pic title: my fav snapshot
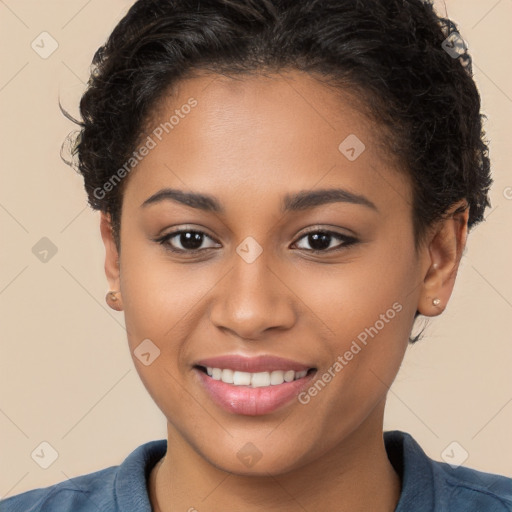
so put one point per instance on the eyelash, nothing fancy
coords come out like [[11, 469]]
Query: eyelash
[[348, 241]]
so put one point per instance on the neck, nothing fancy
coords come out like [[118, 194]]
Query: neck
[[355, 475]]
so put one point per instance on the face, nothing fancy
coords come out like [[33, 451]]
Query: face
[[266, 267]]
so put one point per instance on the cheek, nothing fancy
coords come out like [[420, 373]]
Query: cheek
[[163, 302], [369, 321], [352, 296], [159, 305], [159, 296], [367, 307]]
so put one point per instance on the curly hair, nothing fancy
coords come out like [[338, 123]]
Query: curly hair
[[393, 53]]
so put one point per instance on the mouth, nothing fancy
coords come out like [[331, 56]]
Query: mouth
[[252, 393], [254, 379]]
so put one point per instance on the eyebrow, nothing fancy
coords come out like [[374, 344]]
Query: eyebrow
[[299, 201]]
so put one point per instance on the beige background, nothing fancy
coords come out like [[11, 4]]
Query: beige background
[[66, 376]]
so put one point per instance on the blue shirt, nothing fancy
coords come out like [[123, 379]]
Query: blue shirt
[[427, 485]]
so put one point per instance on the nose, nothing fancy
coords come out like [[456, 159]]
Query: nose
[[252, 299]]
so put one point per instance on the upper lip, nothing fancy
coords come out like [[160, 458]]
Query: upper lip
[[263, 363]]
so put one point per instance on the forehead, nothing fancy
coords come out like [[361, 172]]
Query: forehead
[[279, 132], [303, 113]]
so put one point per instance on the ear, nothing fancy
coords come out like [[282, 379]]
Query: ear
[[112, 269], [446, 244]]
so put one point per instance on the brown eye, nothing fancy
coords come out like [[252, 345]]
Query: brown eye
[[185, 240], [321, 241]]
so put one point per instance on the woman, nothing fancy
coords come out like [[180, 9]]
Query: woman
[[284, 187]]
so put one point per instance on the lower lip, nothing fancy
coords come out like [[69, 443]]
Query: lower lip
[[251, 401]]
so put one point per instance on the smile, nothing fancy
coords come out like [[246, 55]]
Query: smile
[[255, 380], [252, 393]]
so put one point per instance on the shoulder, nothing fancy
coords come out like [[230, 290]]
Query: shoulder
[[428, 484], [79, 493], [116, 488], [477, 490]]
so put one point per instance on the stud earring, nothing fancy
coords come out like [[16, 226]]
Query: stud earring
[[112, 296], [113, 301], [436, 301]]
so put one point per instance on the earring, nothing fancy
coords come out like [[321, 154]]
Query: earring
[[112, 296], [436, 301], [113, 301]]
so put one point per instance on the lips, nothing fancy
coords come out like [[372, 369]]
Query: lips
[[263, 363], [247, 397]]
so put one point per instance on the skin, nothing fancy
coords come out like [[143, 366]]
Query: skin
[[248, 143]]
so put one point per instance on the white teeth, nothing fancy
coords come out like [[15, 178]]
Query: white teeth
[[289, 376], [260, 379], [256, 380], [241, 379], [227, 376], [277, 377]]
